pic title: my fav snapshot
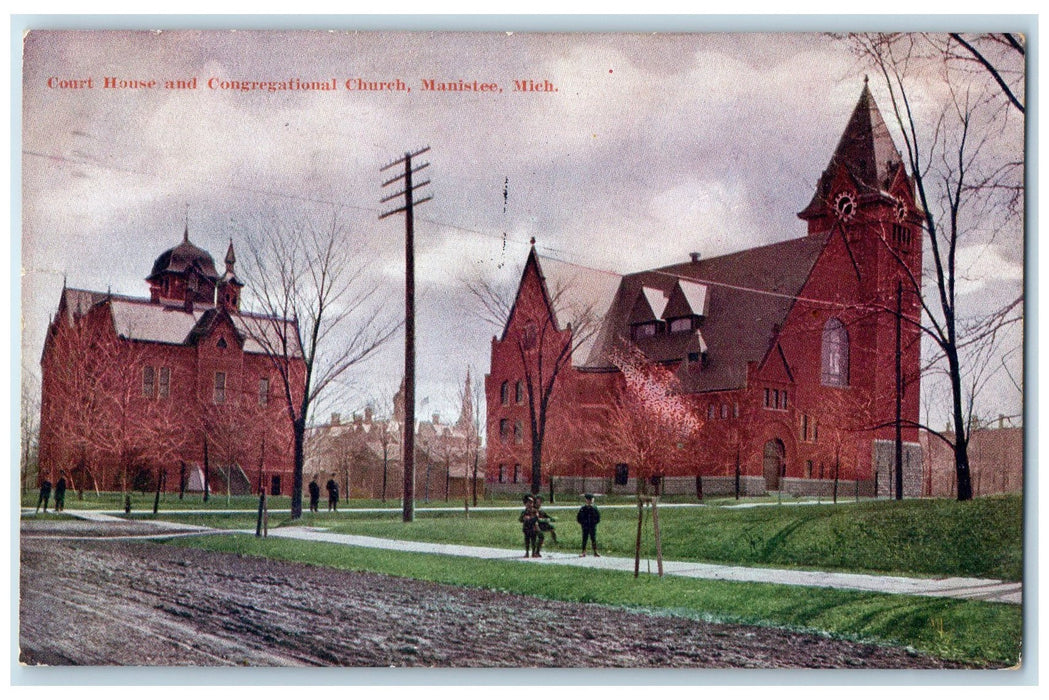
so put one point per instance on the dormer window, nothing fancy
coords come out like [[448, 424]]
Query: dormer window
[[645, 317], [682, 325], [645, 330]]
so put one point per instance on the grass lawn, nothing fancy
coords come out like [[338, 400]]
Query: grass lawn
[[110, 500], [981, 538], [977, 632]]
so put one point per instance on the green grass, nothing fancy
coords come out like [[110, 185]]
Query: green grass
[[981, 538], [969, 631], [109, 500]]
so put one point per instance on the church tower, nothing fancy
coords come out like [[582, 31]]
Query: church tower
[[866, 198], [866, 195]]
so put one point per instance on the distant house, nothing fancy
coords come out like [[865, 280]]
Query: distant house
[[996, 461], [176, 387], [784, 353], [364, 454]]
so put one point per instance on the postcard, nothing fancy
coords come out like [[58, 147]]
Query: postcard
[[371, 349]]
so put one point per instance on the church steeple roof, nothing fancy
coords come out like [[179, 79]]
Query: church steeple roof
[[231, 258], [865, 151]]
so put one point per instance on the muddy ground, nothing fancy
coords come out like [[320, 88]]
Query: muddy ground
[[92, 601]]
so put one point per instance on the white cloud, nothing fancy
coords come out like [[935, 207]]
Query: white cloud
[[982, 266]]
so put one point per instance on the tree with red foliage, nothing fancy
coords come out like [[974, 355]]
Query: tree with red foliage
[[649, 424]]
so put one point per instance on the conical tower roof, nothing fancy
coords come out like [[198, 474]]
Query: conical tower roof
[[866, 152]]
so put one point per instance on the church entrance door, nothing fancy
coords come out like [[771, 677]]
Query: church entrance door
[[775, 461]]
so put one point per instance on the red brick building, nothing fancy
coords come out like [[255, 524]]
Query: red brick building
[[785, 353], [996, 461], [176, 386]]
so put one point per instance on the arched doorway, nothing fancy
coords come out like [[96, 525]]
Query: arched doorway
[[775, 460]]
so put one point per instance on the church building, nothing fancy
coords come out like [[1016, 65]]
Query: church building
[[176, 390], [779, 362]]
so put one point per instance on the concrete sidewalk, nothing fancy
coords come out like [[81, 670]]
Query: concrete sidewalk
[[989, 590], [965, 588]]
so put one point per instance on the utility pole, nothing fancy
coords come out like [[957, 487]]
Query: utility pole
[[408, 450], [899, 392]]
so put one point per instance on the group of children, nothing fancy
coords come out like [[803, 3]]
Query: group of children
[[536, 523]]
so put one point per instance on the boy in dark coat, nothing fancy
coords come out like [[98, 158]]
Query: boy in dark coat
[[530, 527], [60, 494], [315, 494], [45, 495], [588, 517], [333, 494]]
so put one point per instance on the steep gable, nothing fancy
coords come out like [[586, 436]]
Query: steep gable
[[531, 290]]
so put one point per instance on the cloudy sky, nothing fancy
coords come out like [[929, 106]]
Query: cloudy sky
[[652, 146]]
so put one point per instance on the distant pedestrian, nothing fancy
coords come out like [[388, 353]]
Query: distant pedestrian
[[315, 494], [60, 494], [333, 495], [45, 495], [529, 519], [588, 517]]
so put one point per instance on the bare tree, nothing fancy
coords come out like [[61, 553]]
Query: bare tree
[[544, 345], [99, 408], [29, 429], [967, 163], [320, 315]]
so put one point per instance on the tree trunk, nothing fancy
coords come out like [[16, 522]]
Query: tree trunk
[[537, 465], [385, 469], [961, 432], [299, 426]]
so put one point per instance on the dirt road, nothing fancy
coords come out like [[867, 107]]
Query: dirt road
[[118, 602]]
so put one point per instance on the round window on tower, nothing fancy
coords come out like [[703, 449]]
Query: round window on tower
[[845, 205], [901, 210]]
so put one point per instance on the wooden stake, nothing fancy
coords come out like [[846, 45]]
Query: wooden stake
[[637, 546], [655, 530]]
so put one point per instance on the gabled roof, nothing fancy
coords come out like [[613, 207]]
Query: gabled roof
[[572, 293], [138, 319], [749, 294], [648, 306], [866, 152], [143, 320]]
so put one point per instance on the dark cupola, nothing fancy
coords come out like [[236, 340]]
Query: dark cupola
[[183, 275]]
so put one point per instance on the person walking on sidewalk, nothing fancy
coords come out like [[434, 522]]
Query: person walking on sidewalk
[[60, 494], [333, 494], [45, 495], [588, 517], [315, 494]]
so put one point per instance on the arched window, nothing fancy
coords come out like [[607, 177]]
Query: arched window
[[520, 393], [835, 364], [504, 393], [518, 432]]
